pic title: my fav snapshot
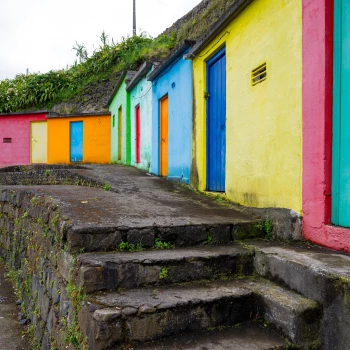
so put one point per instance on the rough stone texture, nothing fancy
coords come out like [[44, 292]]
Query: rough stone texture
[[247, 336], [317, 273], [109, 271], [287, 224], [150, 313], [220, 234], [43, 227], [298, 317], [144, 237], [176, 309]]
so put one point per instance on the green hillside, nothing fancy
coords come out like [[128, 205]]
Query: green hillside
[[86, 86]]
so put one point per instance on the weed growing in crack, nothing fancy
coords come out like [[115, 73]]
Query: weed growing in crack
[[158, 244], [163, 273], [106, 187], [128, 247], [267, 227]]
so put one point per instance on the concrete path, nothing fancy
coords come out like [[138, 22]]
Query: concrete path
[[135, 200], [10, 331]]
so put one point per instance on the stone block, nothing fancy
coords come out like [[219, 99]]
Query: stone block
[[65, 264], [220, 234], [191, 235], [144, 236]]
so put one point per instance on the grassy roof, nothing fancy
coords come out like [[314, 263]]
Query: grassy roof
[[84, 87]]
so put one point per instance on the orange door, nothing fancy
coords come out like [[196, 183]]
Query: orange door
[[164, 136], [120, 133]]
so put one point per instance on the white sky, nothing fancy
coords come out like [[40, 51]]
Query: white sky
[[40, 34]]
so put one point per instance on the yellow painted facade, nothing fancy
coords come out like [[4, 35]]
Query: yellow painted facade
[[263, 122], [38, 142], [96, 139]]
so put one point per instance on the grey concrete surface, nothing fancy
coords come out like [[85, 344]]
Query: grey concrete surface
[[244, 337], [135, 200], [11, 336]]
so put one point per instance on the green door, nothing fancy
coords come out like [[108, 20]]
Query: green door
[[341, 115]]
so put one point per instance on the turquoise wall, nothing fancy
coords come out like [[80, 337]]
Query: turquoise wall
[[121, 99], [141, 95], [176, 82]]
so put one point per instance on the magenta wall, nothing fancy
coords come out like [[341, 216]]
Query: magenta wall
[[317, 126], [16, 127]]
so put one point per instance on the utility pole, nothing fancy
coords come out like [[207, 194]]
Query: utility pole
[[134, 19]]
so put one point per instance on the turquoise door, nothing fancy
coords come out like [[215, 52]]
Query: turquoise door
[[341, 116], [76, 141]]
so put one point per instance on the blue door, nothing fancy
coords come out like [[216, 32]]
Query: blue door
[[76, 141], [216, 122], [341, 116]]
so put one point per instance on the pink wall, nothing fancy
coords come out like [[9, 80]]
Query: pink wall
[[317, 126], [17, 127]]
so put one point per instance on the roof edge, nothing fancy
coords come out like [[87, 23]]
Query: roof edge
[[119, 82], [171, 59], [238, 7], [146, 66], [78, 115], [27, 113]]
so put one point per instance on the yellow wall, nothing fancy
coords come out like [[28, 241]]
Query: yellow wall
[[263, 130], [38, 142], [97, 139]]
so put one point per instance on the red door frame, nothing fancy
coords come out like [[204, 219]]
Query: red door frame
[[317, 98], [138, 133]]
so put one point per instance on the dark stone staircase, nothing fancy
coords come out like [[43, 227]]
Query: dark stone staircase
[[207, 292], [211, 290]]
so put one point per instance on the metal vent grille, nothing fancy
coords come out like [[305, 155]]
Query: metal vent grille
[[259, 74], [7, 140]]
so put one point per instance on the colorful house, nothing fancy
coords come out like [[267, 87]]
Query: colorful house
[[23, 138], [247, 130], [79, 138], [119, 106], [326, 123], [140, 90], [172, 116]]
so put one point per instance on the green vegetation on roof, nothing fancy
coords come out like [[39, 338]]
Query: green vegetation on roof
[[43, 91]]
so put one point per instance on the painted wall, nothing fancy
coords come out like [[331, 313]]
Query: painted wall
[[177, 84], [317, 126], [263, 122], [141, 95], [96, 141], [16, 127], [121, 99]]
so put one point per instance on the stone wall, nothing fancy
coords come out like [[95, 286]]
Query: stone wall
[[32, 236]]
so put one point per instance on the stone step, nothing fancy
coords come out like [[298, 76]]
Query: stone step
[[317, 273], [310, 270], [84, 236], [109, 271], [244, 336], [146, 314], [297, 317]]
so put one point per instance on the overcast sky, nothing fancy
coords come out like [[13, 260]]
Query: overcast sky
[[40, 34]]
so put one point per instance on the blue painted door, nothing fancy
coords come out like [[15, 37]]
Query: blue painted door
[[341, 116], [216, 122], [76, 141]]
